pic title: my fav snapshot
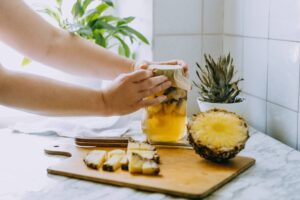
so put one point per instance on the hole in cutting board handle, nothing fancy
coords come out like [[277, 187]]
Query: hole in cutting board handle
[[57, 150]]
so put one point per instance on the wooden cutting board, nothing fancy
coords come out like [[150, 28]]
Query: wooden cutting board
[[183, 173]]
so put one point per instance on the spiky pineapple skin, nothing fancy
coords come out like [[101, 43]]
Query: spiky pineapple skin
[[214, 155]]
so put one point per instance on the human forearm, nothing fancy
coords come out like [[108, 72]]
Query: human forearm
[[48, 97], [78, 56]]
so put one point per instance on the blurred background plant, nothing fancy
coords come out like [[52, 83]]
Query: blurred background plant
[[90, 20]]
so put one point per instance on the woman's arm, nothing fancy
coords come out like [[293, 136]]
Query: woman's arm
[[24, 30], [48, 97]]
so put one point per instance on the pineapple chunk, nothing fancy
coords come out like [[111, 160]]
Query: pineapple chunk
[[124, 163], [135, 164], [150, 155], [140, 146], [150, 168], [152, 110], [113, 163], [181, 107], [115, 152], [170, 107], [95, 159]]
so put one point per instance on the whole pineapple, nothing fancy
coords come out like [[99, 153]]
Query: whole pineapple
[[216, 81], [217, 135]]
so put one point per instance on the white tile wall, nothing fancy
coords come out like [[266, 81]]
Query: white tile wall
[[213, 45], [255, 112], [282, 124], [177, 16], [285, 19], [213, 14], [255, 62], [283, 73], [256, 18], [233, 16]]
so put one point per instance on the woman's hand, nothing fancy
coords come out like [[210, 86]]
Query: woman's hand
[[145, 64], [128, 92]]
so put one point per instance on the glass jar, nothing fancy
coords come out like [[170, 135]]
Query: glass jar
[[166, 122]]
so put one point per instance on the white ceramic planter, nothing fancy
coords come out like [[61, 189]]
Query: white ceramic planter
[[238, 108]]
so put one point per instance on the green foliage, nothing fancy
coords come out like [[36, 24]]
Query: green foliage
[[216, 81], [25, 61], [92, 23]]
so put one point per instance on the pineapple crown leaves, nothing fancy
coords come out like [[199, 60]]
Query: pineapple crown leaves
[[216, 80]]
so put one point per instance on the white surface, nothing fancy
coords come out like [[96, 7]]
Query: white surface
[[275, 175], [282, 124], [283, 73], [76, 126], [238, 108], [285, 19], [177, 16], [233, 16], [256, 112], [213, 15], [187, 48], [256, 18], [255, 65]]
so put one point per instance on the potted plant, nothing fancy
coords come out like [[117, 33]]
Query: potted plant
[[89, 19], [218, 87]]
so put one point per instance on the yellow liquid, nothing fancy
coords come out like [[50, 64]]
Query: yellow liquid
[[163, 127]]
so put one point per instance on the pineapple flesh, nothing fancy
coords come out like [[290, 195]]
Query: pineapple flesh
[[218, 135]]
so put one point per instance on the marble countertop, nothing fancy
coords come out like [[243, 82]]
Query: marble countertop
[[276, 174]]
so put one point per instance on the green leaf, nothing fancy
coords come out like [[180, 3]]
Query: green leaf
[[108, 2], [99, 39], [86, 31], [77, 10], [136, 33], [101, 8], [52, 13], [125, 20], [121, 50], [59, 2], [25, 61], [86, 3], [124, 46], [99, 24], [109, 18]]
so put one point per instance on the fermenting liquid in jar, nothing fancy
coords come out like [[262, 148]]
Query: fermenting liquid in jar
[[166, 122]]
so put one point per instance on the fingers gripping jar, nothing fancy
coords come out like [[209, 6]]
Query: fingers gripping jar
[[166, 122]]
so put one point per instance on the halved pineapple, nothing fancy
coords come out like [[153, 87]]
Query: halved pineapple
[[218, 135]]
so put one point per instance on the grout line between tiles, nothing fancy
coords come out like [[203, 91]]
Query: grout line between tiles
[[260, 38], [268, 65]]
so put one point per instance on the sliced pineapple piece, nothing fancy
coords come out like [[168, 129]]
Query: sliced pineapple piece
[[113, 163], [218, 135], [181, 107], [95, 159], [115, 152], [150, 168], [150, 155], [135, 164], [134, 145], [152, 110], [170, 107], [124, 163]]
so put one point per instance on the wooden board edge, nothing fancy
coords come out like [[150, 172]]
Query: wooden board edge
[[153, 189], [227, 180]]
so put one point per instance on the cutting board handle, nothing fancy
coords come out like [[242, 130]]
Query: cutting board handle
[[61, 150]]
